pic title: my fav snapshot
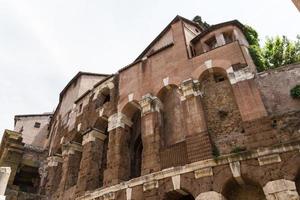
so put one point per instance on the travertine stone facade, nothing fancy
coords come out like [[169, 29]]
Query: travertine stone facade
[[189, 119]]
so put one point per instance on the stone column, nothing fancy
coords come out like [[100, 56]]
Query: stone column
[[220, 39], [4, 177], [90, 176], [118, 157], [246, 93], [197, 138], [54, 170], [281, 190], [151, 133], [71, 162]]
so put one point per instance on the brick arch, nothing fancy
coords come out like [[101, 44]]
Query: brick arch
[[164, 89], [214, 65], [249, 190], [166, 191], [172, 115], [220, 107], [131, 108]]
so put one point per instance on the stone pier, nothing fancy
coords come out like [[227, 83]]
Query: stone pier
[[4, 177]]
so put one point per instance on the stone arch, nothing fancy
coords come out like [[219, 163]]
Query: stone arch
[[221, 110], [173, 118], [103, 97], [132, 111], [210, 195], [249, 190], [211, 65], [178, 195]]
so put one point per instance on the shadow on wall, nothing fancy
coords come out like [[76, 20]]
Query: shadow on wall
[[178, 195], [246, 191]]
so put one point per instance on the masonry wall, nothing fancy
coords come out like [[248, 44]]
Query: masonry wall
[[35, 136], [275, 86], [168, 114]]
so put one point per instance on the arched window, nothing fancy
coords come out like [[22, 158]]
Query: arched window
[[102, 125], [103, 98], [134, 148]]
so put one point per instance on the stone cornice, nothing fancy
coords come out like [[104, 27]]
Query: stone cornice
[[177, 171]]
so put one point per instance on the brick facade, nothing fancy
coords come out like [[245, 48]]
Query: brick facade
[[189, 119]]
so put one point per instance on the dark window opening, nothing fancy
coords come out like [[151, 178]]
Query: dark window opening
[[136, 146], [193, 51], [80, 107], [228, 37], [175, 195], [218, 78], [212, 43], [101, 100], [37, 125], [27, 179]]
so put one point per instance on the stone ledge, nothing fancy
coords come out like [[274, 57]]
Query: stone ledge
[[175, 171]]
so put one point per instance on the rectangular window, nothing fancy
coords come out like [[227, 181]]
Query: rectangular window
[[37, 125], [80, 108]]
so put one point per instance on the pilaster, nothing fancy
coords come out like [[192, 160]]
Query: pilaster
[[90, 176], [118, 162], [54, 170], [71, 153], [151, 132], [197, 138], [246, 93]]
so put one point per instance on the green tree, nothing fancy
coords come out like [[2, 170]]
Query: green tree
[[276, 51], [280, 51], [254, 48]]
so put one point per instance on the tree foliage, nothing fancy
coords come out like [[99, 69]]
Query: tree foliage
[[199, 21], [276, 51]]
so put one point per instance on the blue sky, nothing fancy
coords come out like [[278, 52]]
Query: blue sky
[[43, 44]]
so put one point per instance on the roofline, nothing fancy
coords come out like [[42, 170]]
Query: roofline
[[34, 115], [80, 73], [163, 32], [96, 85], [217, 26]]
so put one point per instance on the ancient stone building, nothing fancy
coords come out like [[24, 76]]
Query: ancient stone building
[[297, 3], [23, 150], [189, 119]]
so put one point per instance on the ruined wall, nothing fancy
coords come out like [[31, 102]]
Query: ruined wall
[[275, 86], [36, 136], [221, 111]]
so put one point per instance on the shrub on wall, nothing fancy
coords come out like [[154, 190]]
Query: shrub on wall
[[295, 92]]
